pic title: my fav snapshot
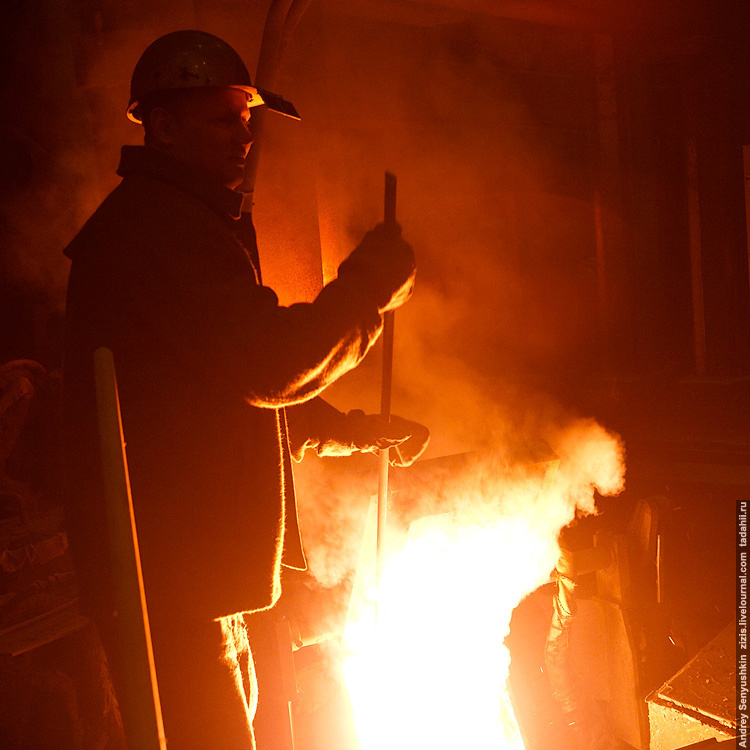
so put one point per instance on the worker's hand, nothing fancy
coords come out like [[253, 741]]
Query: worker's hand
[[382, 267], [372, 432]]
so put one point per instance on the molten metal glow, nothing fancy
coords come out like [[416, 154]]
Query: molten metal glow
[[433, 672]]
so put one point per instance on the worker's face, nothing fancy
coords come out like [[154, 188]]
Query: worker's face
[[208, 130]]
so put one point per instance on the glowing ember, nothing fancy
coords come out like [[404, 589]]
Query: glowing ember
[[433, 674]]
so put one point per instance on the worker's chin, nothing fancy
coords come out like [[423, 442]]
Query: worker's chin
[[233, 175]]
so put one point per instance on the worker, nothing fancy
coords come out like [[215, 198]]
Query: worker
[[219, 384]]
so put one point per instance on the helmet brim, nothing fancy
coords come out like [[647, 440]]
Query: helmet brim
[[255, 98]]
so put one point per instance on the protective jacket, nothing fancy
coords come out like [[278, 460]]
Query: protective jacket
[[206, 361]]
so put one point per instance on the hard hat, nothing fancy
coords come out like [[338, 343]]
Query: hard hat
[[194, 59]]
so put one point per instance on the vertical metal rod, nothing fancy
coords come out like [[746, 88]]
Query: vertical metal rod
[[608, 231], [694, 220], [385, 402], [141, 707], [658, 568]]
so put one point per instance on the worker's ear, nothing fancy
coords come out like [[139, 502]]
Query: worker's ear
[[162, 127]]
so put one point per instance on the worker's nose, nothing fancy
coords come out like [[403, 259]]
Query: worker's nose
[[245, 133]]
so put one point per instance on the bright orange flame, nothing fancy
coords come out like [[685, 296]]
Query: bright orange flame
[[433, 673]]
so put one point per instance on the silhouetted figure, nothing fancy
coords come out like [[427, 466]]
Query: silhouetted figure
[[217, 382]]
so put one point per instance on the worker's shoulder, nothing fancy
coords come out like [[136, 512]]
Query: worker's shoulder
[[146, 218], [105, 228], [161, 205]]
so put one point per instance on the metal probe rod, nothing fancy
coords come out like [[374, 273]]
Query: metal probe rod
[[385, 402]]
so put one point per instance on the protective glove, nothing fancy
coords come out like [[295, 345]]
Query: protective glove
[[372, 432], [381, 267]]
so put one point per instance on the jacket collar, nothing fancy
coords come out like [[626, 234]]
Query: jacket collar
[[142, 160]]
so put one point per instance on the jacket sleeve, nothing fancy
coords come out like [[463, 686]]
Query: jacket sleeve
[[277, 356]]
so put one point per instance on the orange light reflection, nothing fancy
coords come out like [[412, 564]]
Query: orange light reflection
[[435, 675]]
